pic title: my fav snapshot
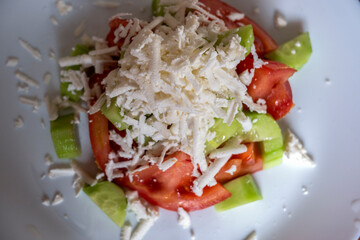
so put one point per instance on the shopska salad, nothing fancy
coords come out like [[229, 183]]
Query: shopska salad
[[182, 109]]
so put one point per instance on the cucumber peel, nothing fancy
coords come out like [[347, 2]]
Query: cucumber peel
[[294, 53], [110, 198], [64, 134], [243, 190]]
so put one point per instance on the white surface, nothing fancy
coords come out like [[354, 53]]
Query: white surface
[[327, 124]]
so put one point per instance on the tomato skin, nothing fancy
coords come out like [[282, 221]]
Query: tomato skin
[[279, 101], [99, 138], [263, 41], [247, 162], [172, 189]]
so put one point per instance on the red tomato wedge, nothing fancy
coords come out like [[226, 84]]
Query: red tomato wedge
[[171, 189], [247, 162], [263, 41], [279, 102], [270, 76], [99, 138]]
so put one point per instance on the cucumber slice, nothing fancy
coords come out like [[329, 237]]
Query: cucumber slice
[[113, 114], [110, 198], [243, 189], [223, 133], [272, 145], [294, 53], [64, 135], [74, 96], [264, 128], [272, 159], [245, 33]]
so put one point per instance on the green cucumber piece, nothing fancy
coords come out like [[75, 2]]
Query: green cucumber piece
[[157, 9], [110, 198], [223, 133], [243, 190], [272, 159], [294, 53], [246, 34], [112, 113], [74, 96], [272, 145], [64, 135], [264, 128]]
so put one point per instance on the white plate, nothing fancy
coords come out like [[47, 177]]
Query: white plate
[[328, 125]]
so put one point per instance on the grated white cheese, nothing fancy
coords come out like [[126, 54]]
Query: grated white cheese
[[42, 122], [26, 79], [30, 49], [47, 78], [22, 87], [77, 185], [57, 199], [79, 29], [18, 122], [54, 21], [231, 170], [126, 231], [48, 159], [63, 7], [52, 107], [33, 101], [106, 4], [82, 173], [235, 16], [251, 236], [62, 171], [12, 61], [52, 54], [279, 20], [45, 200], [183, 218], [295, 154]]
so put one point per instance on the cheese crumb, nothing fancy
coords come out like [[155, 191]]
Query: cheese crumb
[[45, 201], [235, 16], [79, 29], [295, 154], [57, 199], [12, 61], [63, 7], [256, 10], [183, 218], [30, 49], [126, 231], [231, 170], [47, 78], [54, 21], [48, 159], [82, 173], [52, 54], [62, 171], [26, 79], [32, 101], [22, 87], [18, 122], [251, 236], [279, 20]]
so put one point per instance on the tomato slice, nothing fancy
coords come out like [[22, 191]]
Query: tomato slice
[[270, 76], [279, 102], [263, 41], [99, 138], [171, 189], [247, 162]]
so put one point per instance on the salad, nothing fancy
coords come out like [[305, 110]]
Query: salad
[[181, 109]]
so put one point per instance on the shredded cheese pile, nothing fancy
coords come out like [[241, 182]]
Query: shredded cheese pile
[[172, 81]]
